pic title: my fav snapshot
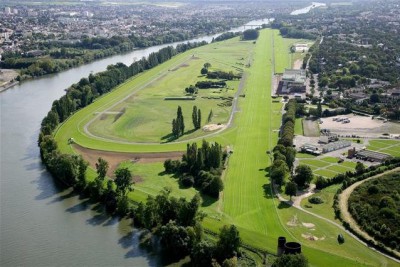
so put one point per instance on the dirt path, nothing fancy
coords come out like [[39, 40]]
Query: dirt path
[[344, 207], [115, 158]]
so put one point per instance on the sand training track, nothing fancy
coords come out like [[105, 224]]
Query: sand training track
[[115, 158]]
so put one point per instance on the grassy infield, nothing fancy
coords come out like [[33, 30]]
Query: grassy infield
[[247, 200]]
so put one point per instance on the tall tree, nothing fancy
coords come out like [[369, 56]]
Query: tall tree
[[228, 243], [194, 117], [291, 189], [123, 180], [210, 115], [198, 119], [181, 123], [303, 175], [101, 168]]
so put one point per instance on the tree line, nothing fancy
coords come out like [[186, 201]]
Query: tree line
[[65, 56], [223, 75], [176, 222], [200, 167], [291, 31]]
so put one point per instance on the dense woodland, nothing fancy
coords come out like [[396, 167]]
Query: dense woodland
[[375, 207]]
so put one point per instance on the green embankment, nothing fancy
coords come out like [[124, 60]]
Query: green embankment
[[247, 200]]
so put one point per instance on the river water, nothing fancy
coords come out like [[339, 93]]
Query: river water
[[307, 9], [42, 223]]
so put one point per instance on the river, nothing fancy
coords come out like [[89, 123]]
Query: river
[[307, 9], [42, 223]]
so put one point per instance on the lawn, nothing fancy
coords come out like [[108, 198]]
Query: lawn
[[391, 147], [326, 166], [298, 126], [325, 209], [247, 199], [315, 162]]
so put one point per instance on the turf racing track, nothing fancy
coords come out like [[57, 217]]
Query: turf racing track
[[247, 200]]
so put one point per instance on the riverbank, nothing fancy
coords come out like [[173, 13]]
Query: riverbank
[[7, 79], [8, 86]]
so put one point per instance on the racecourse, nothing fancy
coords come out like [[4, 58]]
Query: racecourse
[[247, 200]]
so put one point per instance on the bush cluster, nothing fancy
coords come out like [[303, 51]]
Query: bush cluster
[[200, 167]]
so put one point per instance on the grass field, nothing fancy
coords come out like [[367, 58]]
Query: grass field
[[326, 166], [247, 199], [391, 147], [147, 116], [324, 209], [298, 126]]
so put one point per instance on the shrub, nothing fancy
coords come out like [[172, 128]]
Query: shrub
[[187, 181], [340, 239], [315, 200]]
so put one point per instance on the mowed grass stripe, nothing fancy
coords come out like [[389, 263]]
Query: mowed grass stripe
[[245, 179]]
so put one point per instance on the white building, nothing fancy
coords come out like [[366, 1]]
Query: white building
[[7, 11], [300, 48]]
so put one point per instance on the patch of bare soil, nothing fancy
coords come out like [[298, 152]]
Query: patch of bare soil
[[308, 225], [311, 237], [311, 128], [7, 75], [212, 127], [293, 222], [297, 64], [184, 65], [115, 158]]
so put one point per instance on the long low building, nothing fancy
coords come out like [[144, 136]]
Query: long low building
[[373, 156], [335, 146], [293, 81]]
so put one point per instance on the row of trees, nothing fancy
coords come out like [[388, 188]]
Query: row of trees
[[288, 120], [210, 84], [283, 153], [222, 75], [64, 56], [200, 167]]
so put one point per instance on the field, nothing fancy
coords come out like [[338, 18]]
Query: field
[[146, 117], [247, 199], [391, 147], [327, 166]]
